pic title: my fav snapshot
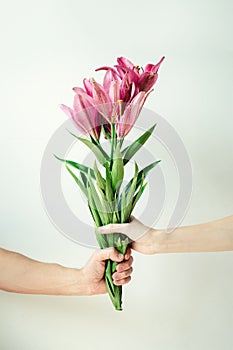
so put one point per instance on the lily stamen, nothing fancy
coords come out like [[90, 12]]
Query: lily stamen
[[120, 102]]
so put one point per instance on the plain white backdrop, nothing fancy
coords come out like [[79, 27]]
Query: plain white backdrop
[[174, 302]]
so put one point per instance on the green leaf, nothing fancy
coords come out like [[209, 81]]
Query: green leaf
[[123, 206], [96, 201], [101, 240], [99, 155], [93, 211], [144, 171], [99, 146], [124, 244], [110, 239], [117, 169], [99, 178], [79, 183], [78, 166], [108, 189], [84, 178], [109, 283], [130, 194], [129, 151], [138, 195]]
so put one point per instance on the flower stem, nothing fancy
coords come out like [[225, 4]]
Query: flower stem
[[113, 142], [120, 242]]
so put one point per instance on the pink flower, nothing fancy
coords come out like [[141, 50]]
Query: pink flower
[[86, 118], [119, 100], [130, 114], [97, 97], [131, 81]]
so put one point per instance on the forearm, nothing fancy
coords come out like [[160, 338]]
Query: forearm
[[20, 274], [209, 237]]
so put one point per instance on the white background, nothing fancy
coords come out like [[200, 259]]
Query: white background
[[179, 301]]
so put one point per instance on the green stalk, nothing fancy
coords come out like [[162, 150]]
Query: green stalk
[[113, 143], [121, 140], [120, 243]]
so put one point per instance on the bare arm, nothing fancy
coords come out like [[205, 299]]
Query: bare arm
[[208, 237], [21, 274]]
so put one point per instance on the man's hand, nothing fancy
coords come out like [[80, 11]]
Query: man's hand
[[93, 271], [20, 274]]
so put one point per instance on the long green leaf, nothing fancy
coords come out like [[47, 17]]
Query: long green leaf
[[78, 166], [97, 144], [108, 189], [99, 178], [138, 195], [79, 183], [129, 151], [109, 283], [101, 240], [117, 169], [99, 155], [84, 178], [97, 202], [144, 171], [115, 217], [123, 206], [130, 194], [94, 212]]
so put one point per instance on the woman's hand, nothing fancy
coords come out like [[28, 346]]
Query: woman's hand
[[145, 239], [214, 236]]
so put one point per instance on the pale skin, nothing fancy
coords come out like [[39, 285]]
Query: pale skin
[[20, 274], [212, 236]]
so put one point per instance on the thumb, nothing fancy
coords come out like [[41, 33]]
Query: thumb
[[108, 253]]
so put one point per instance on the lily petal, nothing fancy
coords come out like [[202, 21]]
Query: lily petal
[[124, 62], [114, 91], [68, 111], [147, 80], [154, 67], [88, 87], [110, 75], [131, 114], [102, 101]]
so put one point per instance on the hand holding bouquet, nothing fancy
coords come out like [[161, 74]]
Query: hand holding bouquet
[[110, 110]]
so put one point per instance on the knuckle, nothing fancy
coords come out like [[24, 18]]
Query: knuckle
[[127, 280], [112, 250]]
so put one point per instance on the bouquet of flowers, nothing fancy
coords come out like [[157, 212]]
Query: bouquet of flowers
[[108, 111]]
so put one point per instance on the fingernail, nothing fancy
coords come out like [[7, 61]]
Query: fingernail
[[120, 256]]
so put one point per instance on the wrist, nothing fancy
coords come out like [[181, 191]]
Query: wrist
[[151, 243], [74, 282], [158, 239]]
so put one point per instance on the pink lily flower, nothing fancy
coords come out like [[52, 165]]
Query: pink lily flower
[[130, 114], [97, 96], [132, 81], [149, 77], [124, 62], [154, 67], [111, 75], [85, 117], [129, 88]]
